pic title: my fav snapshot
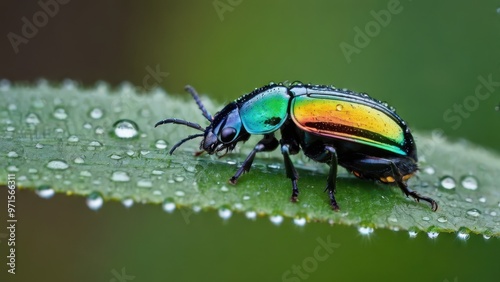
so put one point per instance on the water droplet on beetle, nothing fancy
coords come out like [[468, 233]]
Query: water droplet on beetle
[[469, 182], [45, 192], [276, 219], [120, 176], [57, 164], [225, 213], [161, 144], [60, 113], [94, 201], [339, 107], [448, 183], [96, 113], [126, 129]]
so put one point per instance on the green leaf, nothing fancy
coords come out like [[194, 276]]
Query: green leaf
[[64, 139]]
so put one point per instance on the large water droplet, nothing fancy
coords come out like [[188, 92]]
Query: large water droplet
[[94, 201], [120, 176], [126, 129], [469, 182], [448, 183], [60, 113], [45, 192], [57, 164], [463, 233], [432, 232]]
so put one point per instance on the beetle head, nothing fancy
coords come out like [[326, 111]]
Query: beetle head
[[225, 131]]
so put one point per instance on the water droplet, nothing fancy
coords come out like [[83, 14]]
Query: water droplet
[[126, 129], [225, 213], [276, 219], [469, 182], [426, 218], [79, 160], [95, 144], [130, 153], [246, 198], [339, 107], [498, 10], [300, 221], [463, 233], [365, 230], [96, 113], [120, 176], [180, 193], [473, 212], [179, 178], [12, 168], [73, 139], [60, 113], [32, 119], [442, 219], [486, 237], [99, 130], [168, 205], [157, 172], [413, 232], [12, 107], [482, 199], [12, 154], [10, 128], [87, 125], [224, 188], [251, 215], [85, 173], [45, 192], [38, 146], [57, 164], [448, 183], [4, 84], [161, 144], [432, 234], [69, 84], [94, 201], [127, 202], [145, 183], [429, 170]]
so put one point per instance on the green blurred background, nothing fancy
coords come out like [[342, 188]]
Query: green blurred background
[[427, 59]]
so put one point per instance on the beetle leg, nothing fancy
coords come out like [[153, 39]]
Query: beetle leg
[[291, 172], [404, 187], [332, 177], [268, 143]]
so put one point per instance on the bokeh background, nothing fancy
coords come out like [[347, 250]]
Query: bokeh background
[[426, 58]]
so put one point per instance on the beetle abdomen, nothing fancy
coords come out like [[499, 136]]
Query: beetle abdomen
[[347, 117]]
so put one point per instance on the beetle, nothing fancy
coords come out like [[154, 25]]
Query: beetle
[[330, 125]]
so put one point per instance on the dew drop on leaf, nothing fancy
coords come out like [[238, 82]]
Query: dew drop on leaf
[[94, 201]]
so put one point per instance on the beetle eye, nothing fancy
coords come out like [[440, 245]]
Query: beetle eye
[[227, 135]]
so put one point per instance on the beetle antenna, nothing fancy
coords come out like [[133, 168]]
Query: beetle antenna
[[196, 98], [180, 121], [184, 140]]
